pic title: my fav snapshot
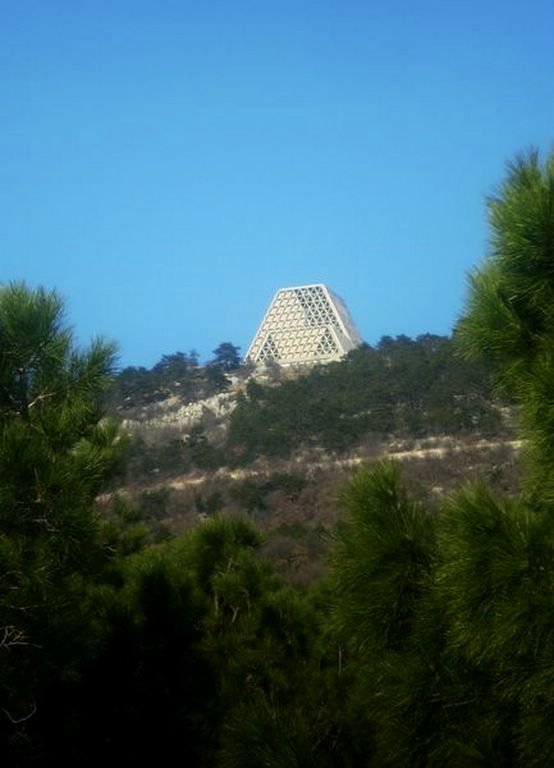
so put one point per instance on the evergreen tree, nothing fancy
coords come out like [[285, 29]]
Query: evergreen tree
[[446, 620], [56, 455], [384, 559], [227, 357], [510, 309]]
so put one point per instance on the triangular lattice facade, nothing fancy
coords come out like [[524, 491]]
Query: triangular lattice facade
[[304, 326]]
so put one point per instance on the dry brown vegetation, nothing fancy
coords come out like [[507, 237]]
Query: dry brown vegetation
[[294, 502]]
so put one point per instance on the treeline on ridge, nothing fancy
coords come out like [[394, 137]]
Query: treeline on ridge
[[402, 387]]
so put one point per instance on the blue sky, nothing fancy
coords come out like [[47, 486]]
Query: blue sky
[[167, 166]]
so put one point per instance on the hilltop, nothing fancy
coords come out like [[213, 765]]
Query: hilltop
[[277, 444]]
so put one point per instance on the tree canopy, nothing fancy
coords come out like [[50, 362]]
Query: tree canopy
[[56, 455], [227, 356], [510, 309], [447, 618]]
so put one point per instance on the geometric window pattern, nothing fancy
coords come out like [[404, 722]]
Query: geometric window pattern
[[304, 325], [327, 345], [269, 349]]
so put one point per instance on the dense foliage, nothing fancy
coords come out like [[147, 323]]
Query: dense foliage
[[510, 315], [407, 387], [55, 456], [176, 375]]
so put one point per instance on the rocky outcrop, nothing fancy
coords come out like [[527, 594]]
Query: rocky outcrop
[[172, 412]]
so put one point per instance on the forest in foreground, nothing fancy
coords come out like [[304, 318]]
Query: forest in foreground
[[428, 642]]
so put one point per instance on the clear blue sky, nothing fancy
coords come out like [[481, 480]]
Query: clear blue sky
[[167, 165]]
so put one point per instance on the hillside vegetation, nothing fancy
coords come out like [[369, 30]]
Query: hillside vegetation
[[404, 388], [401, 387], [276, 444]]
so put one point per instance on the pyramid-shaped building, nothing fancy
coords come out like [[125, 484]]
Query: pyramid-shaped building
[[305, 325]]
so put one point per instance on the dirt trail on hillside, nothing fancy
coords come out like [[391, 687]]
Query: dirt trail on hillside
[[436, 448]]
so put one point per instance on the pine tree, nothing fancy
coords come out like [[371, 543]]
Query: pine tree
[[56, 453], [446, 619], [510, 310], [227, 357], [502, 554]]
